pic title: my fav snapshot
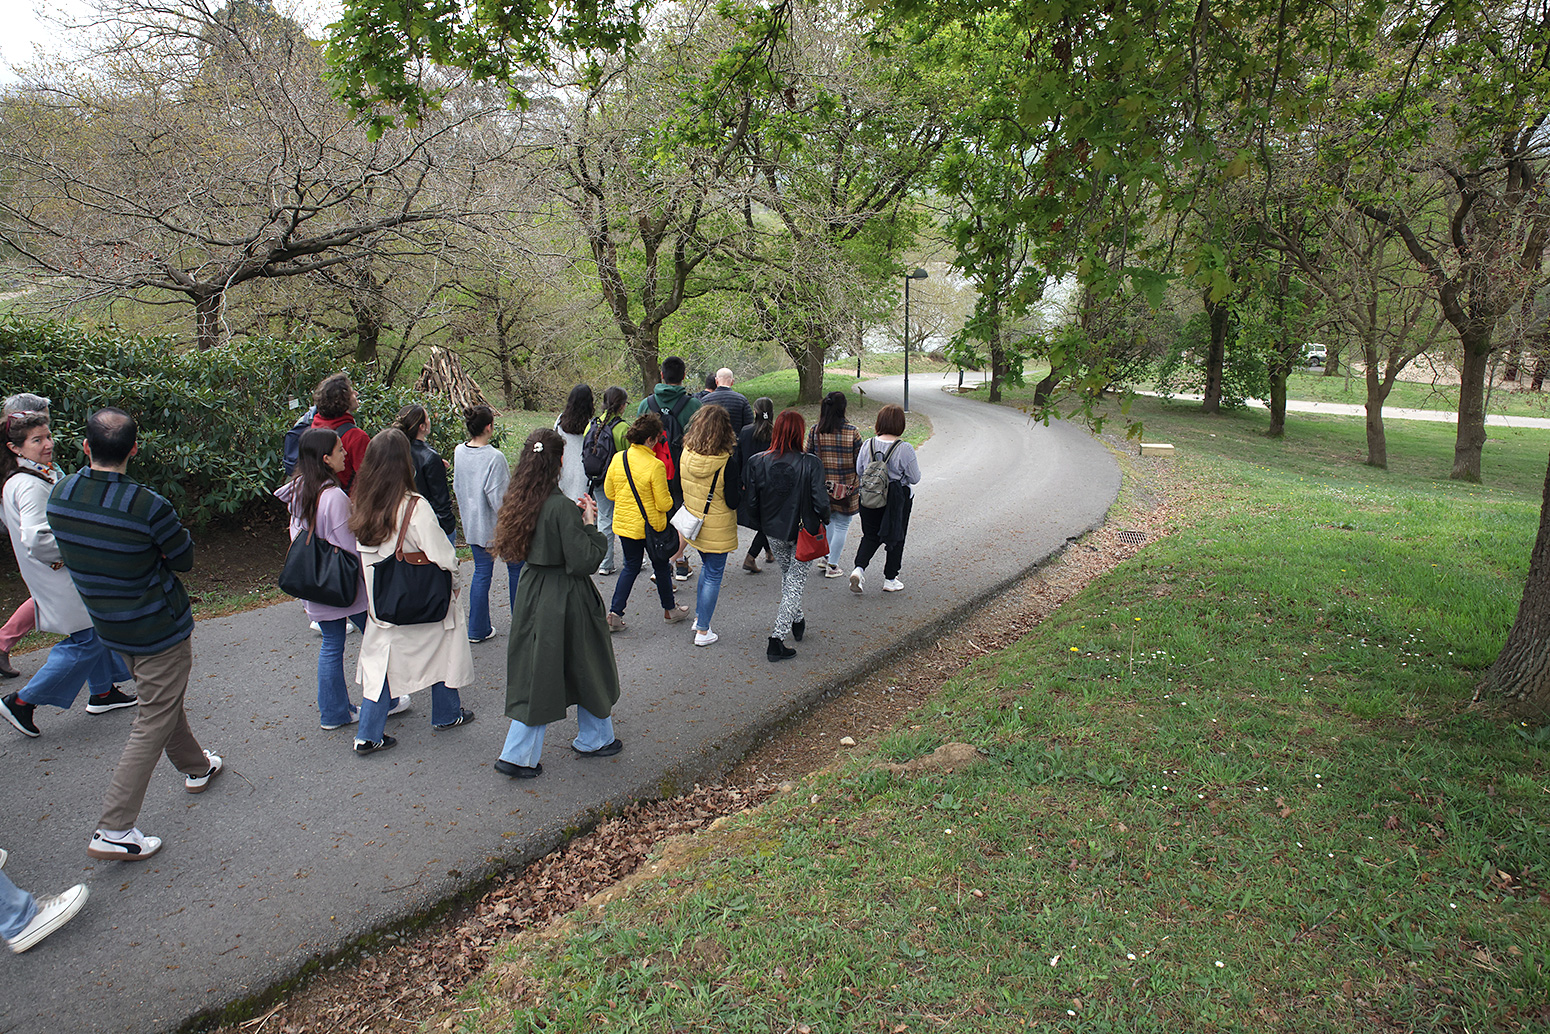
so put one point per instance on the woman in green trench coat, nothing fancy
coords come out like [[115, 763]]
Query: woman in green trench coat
[[559, 653]]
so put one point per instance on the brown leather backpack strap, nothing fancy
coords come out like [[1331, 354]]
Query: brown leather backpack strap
[[403, 529]]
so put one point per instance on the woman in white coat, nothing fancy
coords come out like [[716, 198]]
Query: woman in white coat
[[27, 467], [404, 658]]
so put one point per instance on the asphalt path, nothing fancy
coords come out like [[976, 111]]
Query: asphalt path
[[300, 848]]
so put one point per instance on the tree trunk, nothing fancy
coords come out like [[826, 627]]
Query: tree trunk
[[1046, 387], [642, 346], [1471, 430], [1520, 679], [809, 360], [1280, 370], [368, 333], [208, 308], [1216, 356], [997, 351]]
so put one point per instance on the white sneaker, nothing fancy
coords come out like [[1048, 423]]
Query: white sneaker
[[317, 627], [131, 846], [857, 581], [54, 911], [892, 585], [400, 707], [833, 571], [198, 784], [705, 638]]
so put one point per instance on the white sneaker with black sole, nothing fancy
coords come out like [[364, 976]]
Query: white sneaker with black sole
[[129, 846], [54, 911]]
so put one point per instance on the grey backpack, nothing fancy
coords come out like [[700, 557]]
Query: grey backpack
[[874, 479]]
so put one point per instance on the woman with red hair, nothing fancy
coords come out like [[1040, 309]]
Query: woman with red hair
[[785, 492]]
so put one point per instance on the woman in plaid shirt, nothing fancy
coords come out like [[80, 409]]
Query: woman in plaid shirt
[[837, 442]]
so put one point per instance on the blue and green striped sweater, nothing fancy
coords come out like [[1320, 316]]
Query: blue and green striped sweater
[[121, 543]]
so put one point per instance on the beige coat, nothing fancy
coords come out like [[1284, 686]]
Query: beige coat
[[414, 657]]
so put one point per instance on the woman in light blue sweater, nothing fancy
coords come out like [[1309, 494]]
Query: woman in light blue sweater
[[479, 478]]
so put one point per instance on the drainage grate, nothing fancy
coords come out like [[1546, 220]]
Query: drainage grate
[[1132, 538]]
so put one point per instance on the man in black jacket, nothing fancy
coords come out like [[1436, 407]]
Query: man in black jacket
[[734, 402]]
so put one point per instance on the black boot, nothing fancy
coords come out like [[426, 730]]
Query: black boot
[[778, 650], [798, 629]]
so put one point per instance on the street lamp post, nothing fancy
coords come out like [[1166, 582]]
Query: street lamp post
[[917, 274]]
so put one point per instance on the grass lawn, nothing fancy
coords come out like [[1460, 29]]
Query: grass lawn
[[1232, 785], [1313, 386]]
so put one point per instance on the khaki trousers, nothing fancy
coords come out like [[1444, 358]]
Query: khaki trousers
[[161, 680]]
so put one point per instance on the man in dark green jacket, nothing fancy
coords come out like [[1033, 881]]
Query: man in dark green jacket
[[676, 407]]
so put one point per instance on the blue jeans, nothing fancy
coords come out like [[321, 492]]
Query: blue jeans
[[605, 524], [525, 743], [74, 660], [479, 626], [333, 698], [839, 527], [634, 551], [713, 566], [16, 907], [445, 707]]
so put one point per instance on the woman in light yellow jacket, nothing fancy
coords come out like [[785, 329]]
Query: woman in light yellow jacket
[[712, 476], [649, 500]]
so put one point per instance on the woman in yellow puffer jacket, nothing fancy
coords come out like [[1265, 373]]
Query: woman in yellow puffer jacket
[[712, 478], [640, 463]]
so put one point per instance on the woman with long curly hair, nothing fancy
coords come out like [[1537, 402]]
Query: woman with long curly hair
[[637, 484], [558, 654], [786, 492], [404, 658], [317, 502], [28, 470], [713, 486]]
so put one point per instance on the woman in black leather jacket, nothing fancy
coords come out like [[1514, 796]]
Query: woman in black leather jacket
[[784, 491], [430, 470]]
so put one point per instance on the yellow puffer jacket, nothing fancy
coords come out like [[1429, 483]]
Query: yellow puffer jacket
[[719, 535], [650, 482]]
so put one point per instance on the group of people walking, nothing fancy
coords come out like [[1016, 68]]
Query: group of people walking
[[100, 555]]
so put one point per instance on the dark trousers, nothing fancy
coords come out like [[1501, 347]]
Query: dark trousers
[[634, 551], [871, 538]]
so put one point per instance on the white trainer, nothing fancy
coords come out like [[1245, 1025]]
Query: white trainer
[[857, 581], [892, 585], [131, 846], [54, 911], [705, 638]]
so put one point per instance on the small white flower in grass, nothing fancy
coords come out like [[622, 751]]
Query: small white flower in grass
[[1220, 964], [1452, 905], [1130, 955], [948, 831], [1055, 961]]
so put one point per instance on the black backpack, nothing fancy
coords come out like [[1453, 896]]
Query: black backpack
[[292, 447], [672, 424], [598, 448]]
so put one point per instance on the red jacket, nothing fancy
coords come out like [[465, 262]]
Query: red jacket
[[355, 442]]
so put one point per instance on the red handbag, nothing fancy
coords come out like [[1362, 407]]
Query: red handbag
[[810, 546]]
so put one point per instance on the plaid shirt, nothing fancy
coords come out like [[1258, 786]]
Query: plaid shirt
[[838, 452]]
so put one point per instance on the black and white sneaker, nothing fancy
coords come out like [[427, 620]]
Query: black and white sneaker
[[464, 716], [199, 783], [112, 700], [132, 846], [364, 747], [19, 714]]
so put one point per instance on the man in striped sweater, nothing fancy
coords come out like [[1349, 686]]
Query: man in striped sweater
[[122, 543]]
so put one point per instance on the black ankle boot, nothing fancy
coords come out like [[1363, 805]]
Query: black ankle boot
[[778, 650], [798, 629]]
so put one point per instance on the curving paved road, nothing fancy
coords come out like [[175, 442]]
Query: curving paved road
[[300, 847]]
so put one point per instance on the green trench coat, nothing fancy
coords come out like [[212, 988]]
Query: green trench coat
[[559, 653]]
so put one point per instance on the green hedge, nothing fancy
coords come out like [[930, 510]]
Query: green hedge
[[212, 424]]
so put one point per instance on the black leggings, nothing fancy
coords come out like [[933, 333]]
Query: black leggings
[[871, 525], [760, 544]]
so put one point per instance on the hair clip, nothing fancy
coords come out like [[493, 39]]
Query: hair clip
[[538, 446]]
